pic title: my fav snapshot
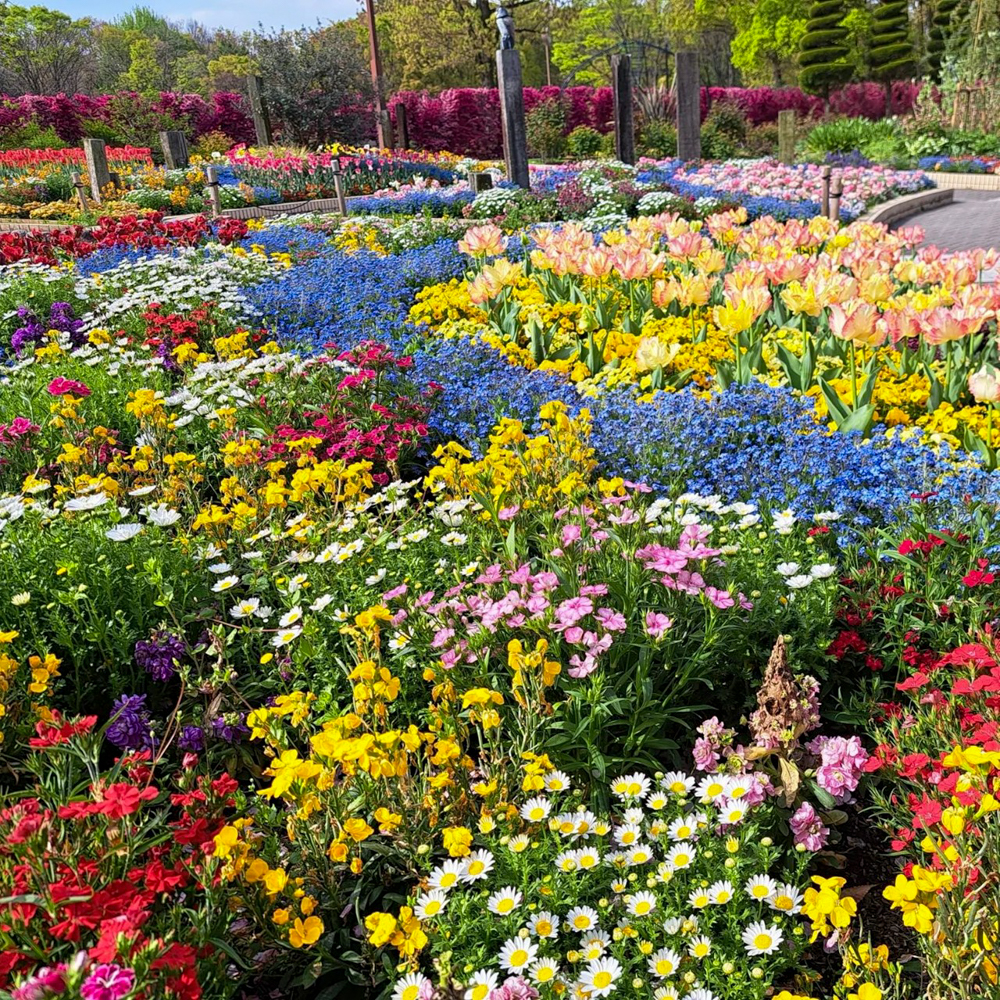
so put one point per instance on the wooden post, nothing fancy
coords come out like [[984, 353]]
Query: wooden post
[[480, 182], [258, 108], [402, 128], [836, 191], [786, 136], [825, 203], [338, 188], [515, 137], [96, 153], [116, 181], [383, 123], [212, 183], [175, 150], [79, 185], [688, 106], [621, 85]]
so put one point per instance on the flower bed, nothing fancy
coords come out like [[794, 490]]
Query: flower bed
[[484, 653]]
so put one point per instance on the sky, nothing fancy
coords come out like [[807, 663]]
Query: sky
[[236, 14]]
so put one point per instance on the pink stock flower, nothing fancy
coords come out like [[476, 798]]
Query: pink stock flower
[[45, 983], [808, 828]]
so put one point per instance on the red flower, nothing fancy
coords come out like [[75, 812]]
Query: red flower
[[977, 578]]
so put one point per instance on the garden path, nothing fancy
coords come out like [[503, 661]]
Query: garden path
[[972, 220]]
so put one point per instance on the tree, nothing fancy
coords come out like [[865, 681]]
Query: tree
[[768, 33], [891, 54], [941, 25], [228, 72], [314, 77], [145, 74], [823, 51], [43, 51]]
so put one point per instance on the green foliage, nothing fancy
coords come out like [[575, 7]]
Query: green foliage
[[891, 55], [767, 34], [844, 135], [584, 142], [213, 142], [135, 123], [823, 52], [31, 136], [658, 139], [546, 126]]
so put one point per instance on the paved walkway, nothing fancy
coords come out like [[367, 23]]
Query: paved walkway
[[972, 220]]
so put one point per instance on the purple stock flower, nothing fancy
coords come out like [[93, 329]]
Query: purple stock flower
[[130, 728], [157, 654], [230, 731], [192, 739], [842, 763]]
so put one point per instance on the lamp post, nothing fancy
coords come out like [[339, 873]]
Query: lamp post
[[547, 42], [382, 125]]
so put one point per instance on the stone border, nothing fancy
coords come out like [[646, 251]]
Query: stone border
[[909, 204], [964, 182]]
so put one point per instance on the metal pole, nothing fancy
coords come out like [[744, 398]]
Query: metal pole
[[381, 114], [547, 41]]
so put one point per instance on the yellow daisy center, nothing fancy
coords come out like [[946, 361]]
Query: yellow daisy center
[[602, 979], [518, 958], [762, 941], [411, 992]]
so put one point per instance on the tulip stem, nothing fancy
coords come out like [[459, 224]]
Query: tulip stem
[[854, 379]]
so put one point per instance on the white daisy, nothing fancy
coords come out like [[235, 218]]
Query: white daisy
[[787, 568], [663, 963], [700, 947], [557, 781], [711, 787], [641, 854], [285, 636], [630, 786], [375, 578], [480, 985], [290, 617], [721, 893], [677, 783], [681, 856], [410, 986], [682, 828], [430, 904], [799, 582], [762, 939], [517, 954], [477, 866], [544, 925], [582, 918], [822, 571], [518, 844], [545, 970], [785, 899], [321, 602], [587, 858], [600, 976], [219, 568], [760, 886], [731, 812], [454, 538], [656, 800], [566, 861], [628, 834], [505, 901], [245, 608], [446, 875], [699, 898], [701, 993], [666, 992], [226, 583], [640, 904], [536, 809]]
